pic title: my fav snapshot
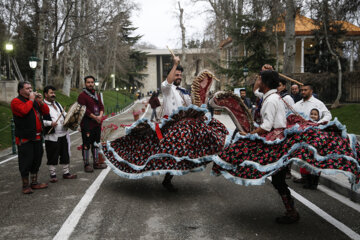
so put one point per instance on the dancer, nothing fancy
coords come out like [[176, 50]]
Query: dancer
[[174, 96]]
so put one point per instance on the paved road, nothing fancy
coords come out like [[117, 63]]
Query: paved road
[[101, 205]]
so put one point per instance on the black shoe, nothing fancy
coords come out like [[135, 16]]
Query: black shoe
[[288, 218], [299, 180], [169, 186]]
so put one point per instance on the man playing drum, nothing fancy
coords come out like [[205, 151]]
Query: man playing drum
[[91, 124]]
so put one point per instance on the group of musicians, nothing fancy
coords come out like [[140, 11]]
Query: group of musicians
[[36, 118]]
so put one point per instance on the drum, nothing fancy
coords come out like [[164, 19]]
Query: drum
[[74, 116]]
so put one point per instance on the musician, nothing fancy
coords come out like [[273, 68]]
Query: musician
[[91, 124], [57, 138], [272, 127], [174, 97], [28, 108]]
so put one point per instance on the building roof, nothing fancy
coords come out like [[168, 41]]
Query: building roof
[[154, 52], [305, 26]]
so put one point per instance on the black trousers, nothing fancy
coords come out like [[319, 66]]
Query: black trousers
[[90, 136], [29, 157], [54, 150], [278, 181]]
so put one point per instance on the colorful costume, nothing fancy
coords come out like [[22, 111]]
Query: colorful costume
[[187, 141]]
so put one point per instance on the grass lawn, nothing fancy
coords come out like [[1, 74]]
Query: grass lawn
[[110, 98], [5, 129], [348, 115]]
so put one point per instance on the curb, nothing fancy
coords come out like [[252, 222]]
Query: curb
[[330, 182]]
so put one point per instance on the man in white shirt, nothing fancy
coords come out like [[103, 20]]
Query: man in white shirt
[[308, 102], [57, 141], [304, 106], [273, 118], [174, 97]]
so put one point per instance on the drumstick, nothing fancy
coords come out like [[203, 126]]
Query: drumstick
[[290, 79], [172, 53], [57, 120]]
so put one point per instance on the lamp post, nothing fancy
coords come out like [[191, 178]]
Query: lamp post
[[33, 63], [125, 96], [113, 80], [117, 98], [9, 47], [245, 72]]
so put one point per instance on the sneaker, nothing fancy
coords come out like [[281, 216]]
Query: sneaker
[[69, 176], [88, 168]]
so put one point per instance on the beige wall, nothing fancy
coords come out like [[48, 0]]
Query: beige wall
[[150, 80], [8, 90]]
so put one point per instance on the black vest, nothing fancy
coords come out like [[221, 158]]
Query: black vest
[[25, 127]]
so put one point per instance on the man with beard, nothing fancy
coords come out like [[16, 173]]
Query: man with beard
[[295, 93], [28, 109], [174, 97], [304, 106], [56, 136], [91, 124]]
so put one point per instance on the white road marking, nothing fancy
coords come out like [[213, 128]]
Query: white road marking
[[334, 194], [71, 222], [336, 223], [339, 225], [11, 158]]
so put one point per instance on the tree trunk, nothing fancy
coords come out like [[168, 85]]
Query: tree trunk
[[40, 53], [289, 56], [183, 45]]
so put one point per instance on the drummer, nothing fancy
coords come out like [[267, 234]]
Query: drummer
[[57, 138], [91, 124]]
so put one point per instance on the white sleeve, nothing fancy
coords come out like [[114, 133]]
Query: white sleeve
[[325, 113], [47, 123], [258, 94], [165, 87], [289, 100]]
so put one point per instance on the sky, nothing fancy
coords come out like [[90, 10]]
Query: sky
[[158, 21]]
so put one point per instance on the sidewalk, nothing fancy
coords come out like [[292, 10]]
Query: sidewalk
[[338, 182]]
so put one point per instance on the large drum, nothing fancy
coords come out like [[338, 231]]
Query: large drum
[[74, 116]]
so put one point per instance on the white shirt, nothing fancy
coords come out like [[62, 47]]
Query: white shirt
[[289, 100], [60, 131], [272, 111], [305, 107], [173, 98]]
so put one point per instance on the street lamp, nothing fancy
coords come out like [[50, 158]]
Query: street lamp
[[125, 96], [113, 80], [245, 72], [117, 98], [33, 63], [9, 47]]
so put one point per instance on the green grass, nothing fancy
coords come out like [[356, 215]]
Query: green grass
[[109, 97], [5, 129], [109, 103], [348, 115]]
